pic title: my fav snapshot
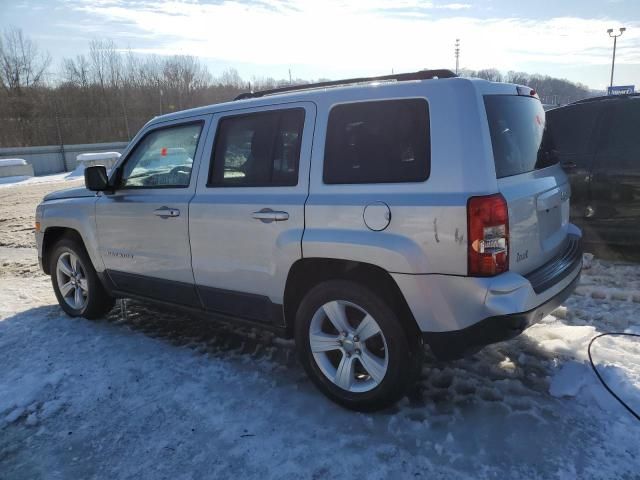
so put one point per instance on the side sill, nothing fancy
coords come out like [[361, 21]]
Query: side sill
[[223, 305]]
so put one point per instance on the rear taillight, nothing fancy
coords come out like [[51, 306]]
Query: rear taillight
[[488, 235]]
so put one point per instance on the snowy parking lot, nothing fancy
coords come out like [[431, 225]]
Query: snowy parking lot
[[148, 393]]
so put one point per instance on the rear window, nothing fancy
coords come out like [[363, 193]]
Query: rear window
[[517, 126], [378, 142]]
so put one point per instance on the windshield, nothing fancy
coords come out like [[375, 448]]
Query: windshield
[[517, 125]]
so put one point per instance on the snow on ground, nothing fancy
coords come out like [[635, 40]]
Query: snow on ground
[[154, 394]]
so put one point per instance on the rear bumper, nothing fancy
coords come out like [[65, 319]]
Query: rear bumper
[[461, 343], [471, 312], [558, 267]]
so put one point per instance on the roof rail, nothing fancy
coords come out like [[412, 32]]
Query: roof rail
[[399, 77]]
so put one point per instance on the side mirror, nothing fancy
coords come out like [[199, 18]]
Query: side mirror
[[96, 179]]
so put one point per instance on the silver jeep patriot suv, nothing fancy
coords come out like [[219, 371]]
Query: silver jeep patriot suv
[[364, 218]]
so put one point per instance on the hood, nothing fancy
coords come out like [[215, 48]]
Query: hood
[[77, 192]]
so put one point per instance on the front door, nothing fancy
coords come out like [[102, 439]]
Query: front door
[[143, 227], [247, 218]]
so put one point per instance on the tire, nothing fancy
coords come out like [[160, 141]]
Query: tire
[[84, 295], [363, 374]]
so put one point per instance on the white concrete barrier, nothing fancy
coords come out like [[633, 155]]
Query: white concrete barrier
[[108, 159], [49, 159], [15, 167]]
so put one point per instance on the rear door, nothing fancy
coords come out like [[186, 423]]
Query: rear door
[[247, 218], [616, 176], [530, 178]]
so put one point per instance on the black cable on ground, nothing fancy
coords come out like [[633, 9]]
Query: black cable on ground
[[604, 384]]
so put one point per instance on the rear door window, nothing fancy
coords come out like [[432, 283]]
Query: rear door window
[[378, 142], [258, 149], [517, 127]]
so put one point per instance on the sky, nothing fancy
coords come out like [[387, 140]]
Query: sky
[[339, 38]]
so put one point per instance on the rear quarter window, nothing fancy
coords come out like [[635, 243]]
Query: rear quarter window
[[378, 142], [517, 127]]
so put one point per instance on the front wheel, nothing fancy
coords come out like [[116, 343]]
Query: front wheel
[[354, 347], [75, 282]]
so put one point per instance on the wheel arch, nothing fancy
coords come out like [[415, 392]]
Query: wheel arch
[[305, 273], [53, 235]]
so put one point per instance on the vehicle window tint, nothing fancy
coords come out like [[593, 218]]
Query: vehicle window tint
[[378, 142], [623, 133], [570, 129], [163, 158], [258, 149], [517, 125]]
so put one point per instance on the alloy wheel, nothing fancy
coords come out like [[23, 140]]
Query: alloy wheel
[[72, 280], [348, 346]]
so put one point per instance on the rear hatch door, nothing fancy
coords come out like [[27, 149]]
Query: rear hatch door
[[530, 180]]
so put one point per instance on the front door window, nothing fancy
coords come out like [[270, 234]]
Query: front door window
[[163, 158]]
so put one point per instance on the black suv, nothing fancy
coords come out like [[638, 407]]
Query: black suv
[[597, 142]]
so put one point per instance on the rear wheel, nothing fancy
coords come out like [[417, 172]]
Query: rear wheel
[[75, 282], [354, 347]]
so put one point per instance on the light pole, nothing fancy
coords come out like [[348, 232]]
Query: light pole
[[615, 41], [457, 51]]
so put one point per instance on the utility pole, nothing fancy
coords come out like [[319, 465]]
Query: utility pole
[[615, 41], [457, 50], [60, 140], [290, 81], [124, 114]]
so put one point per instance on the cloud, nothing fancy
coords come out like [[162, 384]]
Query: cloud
[[363, 35], [455, 6]]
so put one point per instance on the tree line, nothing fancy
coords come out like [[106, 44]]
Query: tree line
[[108, 94], [553, 91]]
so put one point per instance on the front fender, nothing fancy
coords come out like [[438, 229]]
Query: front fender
[[76, 214]]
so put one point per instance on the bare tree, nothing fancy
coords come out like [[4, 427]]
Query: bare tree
[[491, 74], [22, 64], [22, 71], [231, 78], [76, 71], [107, 94], [182, 76]]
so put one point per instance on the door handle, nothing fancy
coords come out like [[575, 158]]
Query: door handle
[[166, 212], [266, 215], [569, 165]]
